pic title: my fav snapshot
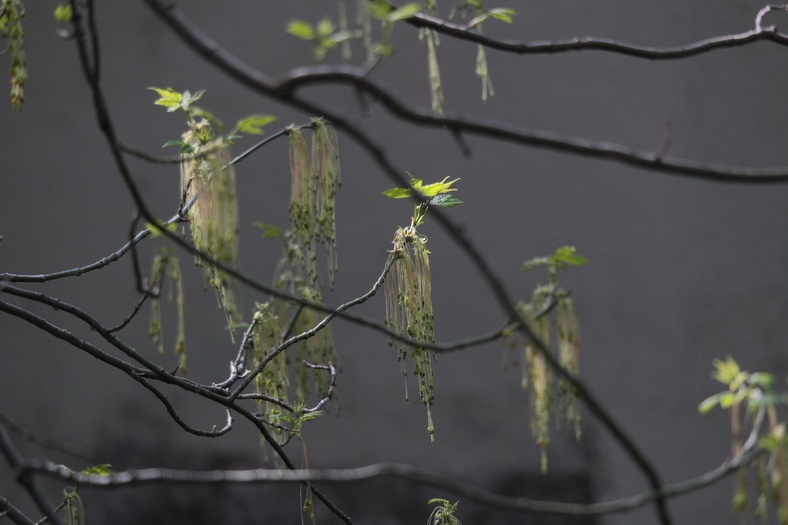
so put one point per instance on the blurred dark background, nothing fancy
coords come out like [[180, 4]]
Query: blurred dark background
[[681, 271]]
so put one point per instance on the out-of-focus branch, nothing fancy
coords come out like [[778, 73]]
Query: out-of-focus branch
[[7, 509], [220, 477], [24, 478], [460, 124], [43, 441]]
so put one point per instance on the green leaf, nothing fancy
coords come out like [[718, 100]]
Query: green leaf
[[404, 12], [155, 229], [502, 13], [98, 470], [269, 230], [726, 371], [727, 399], [445, 201], [169, 98], [183, 147], [566, 256], [187, 98], [535, 261], [63, 13], [378, 9], [762, 379], [325, 27], [301, 29], [436, 188], [253, 124], [207, 115], [428, 191], [398, 193], [709, 403]]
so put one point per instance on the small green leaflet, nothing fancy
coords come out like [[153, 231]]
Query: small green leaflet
[[269, 230], [301, 29], [169, 98], [173, 100], [563, 257], [155, 229], [502, 13], [404, 12], [253, 124], [98, 470], [63, 13], [430, 190], [445, 201], [183, 147], [324, 27]]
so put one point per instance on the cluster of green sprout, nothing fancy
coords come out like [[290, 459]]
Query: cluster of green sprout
[[752, 397], [326, 35]]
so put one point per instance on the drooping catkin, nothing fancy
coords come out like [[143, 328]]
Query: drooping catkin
[[409, 311], [325, 166], [273, 380], [550, 315], [207, 174]]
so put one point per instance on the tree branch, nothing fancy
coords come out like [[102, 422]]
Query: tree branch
[[457, 123], [463, 32], [257, 476], [23, 477]]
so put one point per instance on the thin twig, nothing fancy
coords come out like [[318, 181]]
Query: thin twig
[[46, 442], [7, 509], [315, 329], [462, 32], [331, 384]]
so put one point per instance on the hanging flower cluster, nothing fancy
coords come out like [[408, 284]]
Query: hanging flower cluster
[[550, 315], [208, 176], [409, 289]]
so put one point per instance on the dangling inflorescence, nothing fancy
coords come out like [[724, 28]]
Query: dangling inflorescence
[[409, 311], [206, 173], [550, 314]]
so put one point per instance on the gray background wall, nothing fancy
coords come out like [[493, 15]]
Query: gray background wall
[[681, 271]]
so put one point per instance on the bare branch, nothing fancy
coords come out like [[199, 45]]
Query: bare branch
[[463, 32], [221, 477], [7, 509], [457, 123], [46, 442]]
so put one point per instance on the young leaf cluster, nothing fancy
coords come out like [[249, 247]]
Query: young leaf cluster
[[746, 394], [325, 35], [443, 514]]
